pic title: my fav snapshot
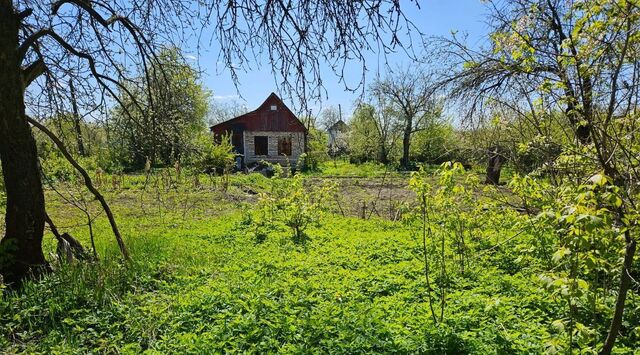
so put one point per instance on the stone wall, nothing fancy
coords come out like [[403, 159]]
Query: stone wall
[[297, 147]]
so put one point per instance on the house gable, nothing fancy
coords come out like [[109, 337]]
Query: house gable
[[271, 116]]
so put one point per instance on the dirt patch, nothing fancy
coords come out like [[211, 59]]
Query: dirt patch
[[384, 197]]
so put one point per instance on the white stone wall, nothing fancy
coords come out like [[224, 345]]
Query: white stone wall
[[297, 147]]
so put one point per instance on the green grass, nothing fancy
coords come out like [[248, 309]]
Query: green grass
[[199, 283], [342, 168], [205, 286]]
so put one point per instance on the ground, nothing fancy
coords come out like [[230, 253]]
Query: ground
[[201, 283]]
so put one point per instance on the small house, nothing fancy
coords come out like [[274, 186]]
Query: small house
[[271, 133]]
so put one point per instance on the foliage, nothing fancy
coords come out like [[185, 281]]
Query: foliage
[[584, 254], [566, 70], [209, 155], [162, 118], [373, 135], [435, 144], [343, 168], [445, 244], [289, 203], [316, 150], [200, 283]]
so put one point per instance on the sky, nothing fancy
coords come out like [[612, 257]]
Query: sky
[[434, 18]]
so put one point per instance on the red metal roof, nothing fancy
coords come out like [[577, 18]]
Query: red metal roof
[[263, 119]]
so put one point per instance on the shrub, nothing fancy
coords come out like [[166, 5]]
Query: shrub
[[434, 145], [290, 204], [210, 155]]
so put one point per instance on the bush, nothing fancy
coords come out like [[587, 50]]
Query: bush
[[209, 155], [435, 145], [536, 154], [316, 151], [289, 204]]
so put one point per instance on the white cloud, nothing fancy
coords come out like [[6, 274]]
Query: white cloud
[[225, 97]]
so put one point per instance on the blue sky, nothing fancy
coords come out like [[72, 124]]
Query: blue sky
[[434, 18]]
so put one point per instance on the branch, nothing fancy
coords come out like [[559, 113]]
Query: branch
[[33, 71], [25, 13], [88, 183]]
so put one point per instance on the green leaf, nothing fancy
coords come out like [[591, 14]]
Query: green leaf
[[560, 253]]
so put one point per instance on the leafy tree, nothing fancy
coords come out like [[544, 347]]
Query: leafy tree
[[435, 144], [409, 92], [364, 135], [374, 133], [316, 150], [172, 110], [579, 58]]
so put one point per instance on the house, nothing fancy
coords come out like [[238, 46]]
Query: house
[[269, 133], [338, 138]]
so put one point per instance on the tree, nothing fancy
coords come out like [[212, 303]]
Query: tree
[[364, 134], [20, 249], [374, 133], [435, 144], [224, 111], [329, 116], [97, 44], [579, 58], [410, 93], [170, 112]]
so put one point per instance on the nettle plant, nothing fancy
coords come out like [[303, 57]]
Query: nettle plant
[[442, 220], [291, 204]]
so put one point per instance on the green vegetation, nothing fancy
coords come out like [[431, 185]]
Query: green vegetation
[[344, 168], [214, 270], [160, 120]]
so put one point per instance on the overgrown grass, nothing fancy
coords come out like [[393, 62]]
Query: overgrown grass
[[199, 283], [343, 168], [207, 287]]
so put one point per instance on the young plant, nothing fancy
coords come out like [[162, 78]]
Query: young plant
[[448, 198], [291, 204]]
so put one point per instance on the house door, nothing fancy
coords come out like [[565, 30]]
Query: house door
[[237, 142]]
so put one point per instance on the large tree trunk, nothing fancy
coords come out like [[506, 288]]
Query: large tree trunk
[[21, 247]]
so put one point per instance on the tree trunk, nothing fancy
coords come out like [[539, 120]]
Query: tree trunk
[[21, 247], [383, 155], [76, 121], [406, 141], [625, 284], [494, 166]]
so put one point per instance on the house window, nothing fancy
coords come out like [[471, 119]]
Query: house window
[[274, 107], [261, 145], [284, 146]]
